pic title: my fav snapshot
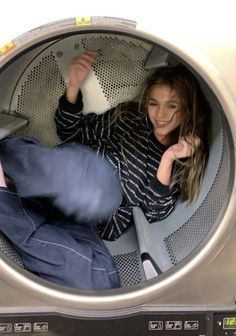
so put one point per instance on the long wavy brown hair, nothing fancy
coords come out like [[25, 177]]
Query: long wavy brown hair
[[195, 122], [187, 173]]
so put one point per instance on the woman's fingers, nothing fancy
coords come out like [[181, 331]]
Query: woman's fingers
[[87, 57], [80, 67], [82, 64], [193, 141], [185, 147]]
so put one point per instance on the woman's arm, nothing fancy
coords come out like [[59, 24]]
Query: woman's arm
[[161, 198], [183, 149], [71, 123], [78, 70], [68, 113]]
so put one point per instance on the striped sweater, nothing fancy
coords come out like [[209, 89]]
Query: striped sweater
[[131, 147]]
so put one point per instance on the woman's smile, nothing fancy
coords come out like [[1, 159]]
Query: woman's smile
[[159, 123]]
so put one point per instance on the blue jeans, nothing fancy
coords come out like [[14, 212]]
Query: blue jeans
[[55, 247], [62, 193], [78, 182]]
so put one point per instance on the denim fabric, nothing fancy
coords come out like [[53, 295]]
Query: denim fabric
[[54, 246], [75, 178], [70, 190]]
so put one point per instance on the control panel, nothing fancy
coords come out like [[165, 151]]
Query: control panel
[[140, 324], [224, 324]]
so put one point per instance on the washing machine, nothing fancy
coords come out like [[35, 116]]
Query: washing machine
[[179, 275]]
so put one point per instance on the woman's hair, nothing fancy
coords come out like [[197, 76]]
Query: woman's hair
[[195, 122]]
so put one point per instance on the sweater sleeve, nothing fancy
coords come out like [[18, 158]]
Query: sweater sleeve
[[73, 125], [160, 201], [117, 224], [158, 205]]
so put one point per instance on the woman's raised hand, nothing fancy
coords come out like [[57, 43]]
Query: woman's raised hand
[[80, 67], [184, 148], [78, 70]]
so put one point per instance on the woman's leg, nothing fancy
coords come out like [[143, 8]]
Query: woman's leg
[[49, 250], [68, 261], [103, 268], [77, 180]]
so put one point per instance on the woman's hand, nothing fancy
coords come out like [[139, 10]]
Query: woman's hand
[[184, 148], [80, 67], [78, 70]]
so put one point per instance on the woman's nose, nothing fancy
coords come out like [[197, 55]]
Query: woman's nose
[[161, 112]]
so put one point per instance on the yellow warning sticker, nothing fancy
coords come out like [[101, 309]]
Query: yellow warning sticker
[[7, 48], [83, 20]]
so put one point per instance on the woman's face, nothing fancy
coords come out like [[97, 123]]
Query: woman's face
[[164, 111]]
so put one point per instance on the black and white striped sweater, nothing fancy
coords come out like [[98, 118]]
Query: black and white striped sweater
[[131, 147]]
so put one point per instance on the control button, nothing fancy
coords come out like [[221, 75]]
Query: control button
[[191, 325], [40, 326], [5, 328], [155, 325], [22, 327], [173, 325]]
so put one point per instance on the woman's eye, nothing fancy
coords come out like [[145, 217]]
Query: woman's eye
[[173, 106], [152, 104]]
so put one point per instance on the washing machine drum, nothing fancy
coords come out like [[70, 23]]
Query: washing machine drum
[[34, 80]]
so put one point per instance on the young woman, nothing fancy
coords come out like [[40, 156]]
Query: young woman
[[158, 146]]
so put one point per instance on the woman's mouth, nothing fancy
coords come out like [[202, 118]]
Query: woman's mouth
[[159, 123]]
